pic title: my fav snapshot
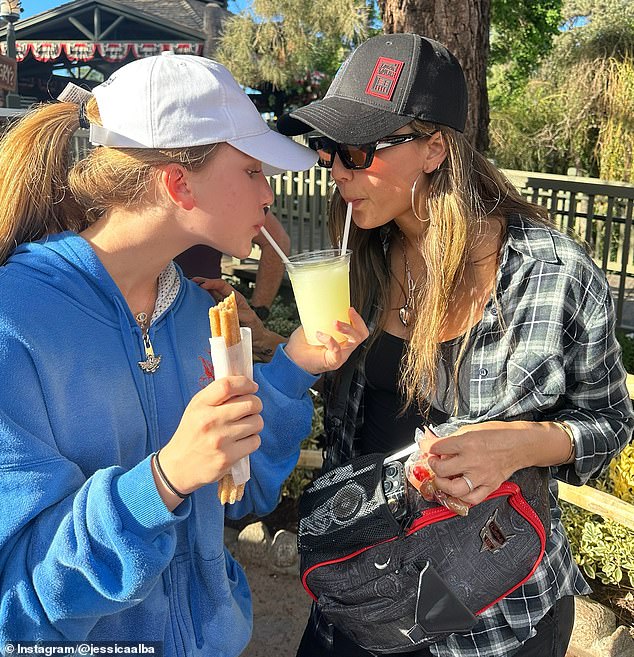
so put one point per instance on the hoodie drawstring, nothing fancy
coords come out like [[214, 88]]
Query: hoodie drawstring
[[167, 581]]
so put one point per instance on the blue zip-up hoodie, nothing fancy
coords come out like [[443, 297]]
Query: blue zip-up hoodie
[[88, 550]]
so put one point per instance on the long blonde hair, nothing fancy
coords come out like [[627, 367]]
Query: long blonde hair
[[465, 190], [43, 192]]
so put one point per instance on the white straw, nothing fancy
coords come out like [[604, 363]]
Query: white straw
[[346, 229], [276, 247]]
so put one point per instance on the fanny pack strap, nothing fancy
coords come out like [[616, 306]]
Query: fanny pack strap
[[322, 630]]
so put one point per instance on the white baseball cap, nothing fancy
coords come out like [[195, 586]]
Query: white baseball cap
[[178, 101]]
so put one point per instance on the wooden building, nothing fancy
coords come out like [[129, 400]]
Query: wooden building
[[84, 41]]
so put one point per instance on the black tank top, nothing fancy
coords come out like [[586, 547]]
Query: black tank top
[[382, 430]]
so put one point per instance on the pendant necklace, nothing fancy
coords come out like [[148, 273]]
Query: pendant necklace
[[406, 311], [152, 361]]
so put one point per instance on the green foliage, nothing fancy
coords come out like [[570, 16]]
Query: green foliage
[[605, 549], [577, 110], [616, 133], [531, 132], [621, 475], [521, 35], [595, 29], [283, 318], [281, 42]]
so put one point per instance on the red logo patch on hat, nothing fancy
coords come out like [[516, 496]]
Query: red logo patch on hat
[[384, 78]]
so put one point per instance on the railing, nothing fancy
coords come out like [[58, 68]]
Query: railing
[[598, 212], [80, 144], [301, 204]]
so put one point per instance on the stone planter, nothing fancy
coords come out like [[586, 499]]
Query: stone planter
[[596, 634]]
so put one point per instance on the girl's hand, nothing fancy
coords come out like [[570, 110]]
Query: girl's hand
[[332, 355], [484, 454], [220, 425]]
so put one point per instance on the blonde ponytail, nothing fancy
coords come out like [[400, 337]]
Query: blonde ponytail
[[34, 165]]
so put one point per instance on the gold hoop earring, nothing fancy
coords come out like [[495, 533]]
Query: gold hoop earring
[[412, 199]]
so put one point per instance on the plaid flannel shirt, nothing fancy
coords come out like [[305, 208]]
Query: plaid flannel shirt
[[545, 349]]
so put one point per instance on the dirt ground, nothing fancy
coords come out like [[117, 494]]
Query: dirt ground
[[280, 609]]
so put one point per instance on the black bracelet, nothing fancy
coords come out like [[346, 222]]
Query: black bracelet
[[165, 480], [261, 311]]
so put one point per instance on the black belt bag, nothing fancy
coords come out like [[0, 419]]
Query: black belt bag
[[395, 588]]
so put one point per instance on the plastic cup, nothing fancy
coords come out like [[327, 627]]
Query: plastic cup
[[321, 285]]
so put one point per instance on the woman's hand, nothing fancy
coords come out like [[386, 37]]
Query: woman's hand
[[484, 455], [332, 355], [312, 358], [220, 425]]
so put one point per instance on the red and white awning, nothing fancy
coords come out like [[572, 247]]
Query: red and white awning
[[85, 51]]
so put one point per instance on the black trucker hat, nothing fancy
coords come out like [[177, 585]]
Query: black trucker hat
[[386, 82]]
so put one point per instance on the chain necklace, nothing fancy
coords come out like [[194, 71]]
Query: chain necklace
[[406, 311], [152, 361]]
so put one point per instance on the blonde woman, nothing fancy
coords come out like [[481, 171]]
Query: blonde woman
[[484, 321], [113, 432]]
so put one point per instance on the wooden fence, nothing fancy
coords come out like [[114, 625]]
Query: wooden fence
[[598, 212]]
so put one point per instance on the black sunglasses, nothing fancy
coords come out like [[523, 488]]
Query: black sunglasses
[[355, 156]]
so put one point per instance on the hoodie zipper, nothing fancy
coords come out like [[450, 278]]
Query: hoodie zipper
[[152, 361], [149, 386], [151, 398]]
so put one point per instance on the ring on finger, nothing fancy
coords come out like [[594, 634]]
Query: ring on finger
[[468, 482]]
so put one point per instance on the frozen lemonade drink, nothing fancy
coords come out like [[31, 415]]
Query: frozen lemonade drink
[[321, 285]]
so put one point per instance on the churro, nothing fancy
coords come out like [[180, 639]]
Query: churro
[[224, 322]]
